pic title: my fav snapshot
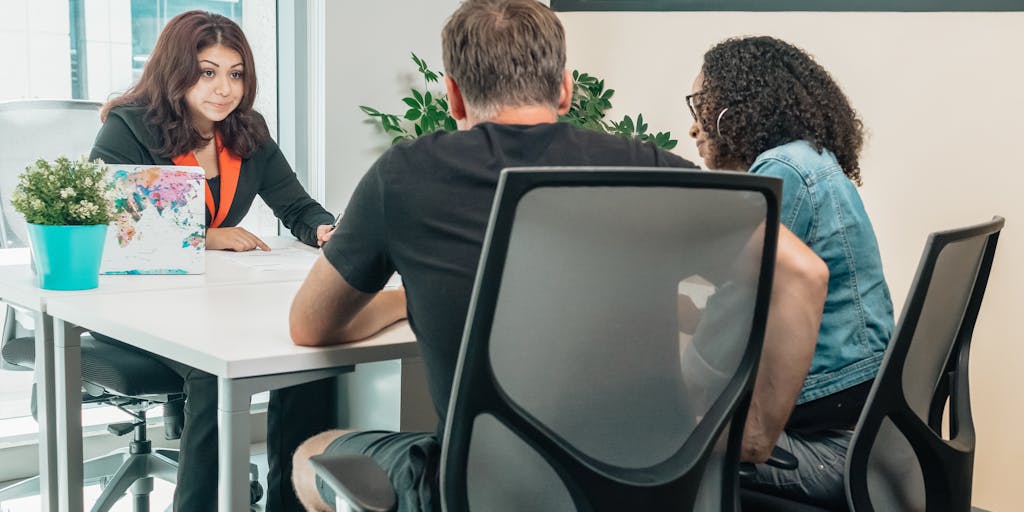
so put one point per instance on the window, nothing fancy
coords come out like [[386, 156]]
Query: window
[[91, 49]]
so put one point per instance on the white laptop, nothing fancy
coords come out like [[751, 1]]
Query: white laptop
[[159, 224]]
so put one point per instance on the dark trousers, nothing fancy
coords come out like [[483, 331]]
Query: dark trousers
[[294, 414]]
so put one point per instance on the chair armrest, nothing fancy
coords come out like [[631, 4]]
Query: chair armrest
[[782, 459], [779, 458], [358, 480]]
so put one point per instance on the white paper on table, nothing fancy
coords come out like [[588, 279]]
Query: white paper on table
[[283, 258]]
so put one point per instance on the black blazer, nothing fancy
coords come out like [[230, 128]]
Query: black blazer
[[126, 139]]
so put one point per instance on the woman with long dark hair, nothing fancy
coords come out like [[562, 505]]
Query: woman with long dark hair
[[763, 106], [193, 106]]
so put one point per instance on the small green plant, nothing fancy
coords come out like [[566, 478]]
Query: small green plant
[[63, 193], [428, 112], [590, 103]]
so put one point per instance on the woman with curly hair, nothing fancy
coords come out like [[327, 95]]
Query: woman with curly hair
[[764, 106]]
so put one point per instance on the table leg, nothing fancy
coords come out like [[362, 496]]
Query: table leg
[[46, 411], [68, 398], [233, 445], [234, 397]]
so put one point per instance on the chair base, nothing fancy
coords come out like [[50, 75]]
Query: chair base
[[116, 472], [119, 471]]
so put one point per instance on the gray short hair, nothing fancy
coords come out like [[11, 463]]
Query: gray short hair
[[504, 53]]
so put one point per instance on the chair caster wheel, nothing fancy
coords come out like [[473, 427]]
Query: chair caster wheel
[[255, 492]]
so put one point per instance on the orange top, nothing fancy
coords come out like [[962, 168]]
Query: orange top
[[230, 166]]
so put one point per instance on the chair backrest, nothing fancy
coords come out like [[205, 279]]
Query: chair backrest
[[898, 458], [575, 388], [33, 129], [29, 130]]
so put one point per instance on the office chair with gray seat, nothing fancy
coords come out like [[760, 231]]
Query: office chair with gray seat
[[577, 387], [112, 373], [898, 458]]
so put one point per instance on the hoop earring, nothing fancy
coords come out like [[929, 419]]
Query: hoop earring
[[718, 123]]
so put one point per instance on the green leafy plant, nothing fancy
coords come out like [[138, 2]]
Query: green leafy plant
[[428, 111], [63, 193], [590, 104]]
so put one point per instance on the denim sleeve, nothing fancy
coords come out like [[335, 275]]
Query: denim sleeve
[[798, 201]]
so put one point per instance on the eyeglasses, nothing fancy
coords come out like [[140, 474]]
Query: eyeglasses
[[689, 103]]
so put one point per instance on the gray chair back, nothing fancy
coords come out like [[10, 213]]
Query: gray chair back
[[29, 130], [33, 129], [577, 387], [899, 458]]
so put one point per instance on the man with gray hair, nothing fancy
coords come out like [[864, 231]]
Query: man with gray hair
[[422, 210]]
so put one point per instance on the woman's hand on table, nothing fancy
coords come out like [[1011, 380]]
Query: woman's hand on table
[[233, 239]]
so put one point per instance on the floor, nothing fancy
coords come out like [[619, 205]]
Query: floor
[[159, 500]]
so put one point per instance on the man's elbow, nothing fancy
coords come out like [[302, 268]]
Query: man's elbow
[[302, 331], [816, 277], [302, 337], [803, 270]]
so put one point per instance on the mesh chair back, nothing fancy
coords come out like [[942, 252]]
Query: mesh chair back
[[898, 458], [33, 129], [577, 387]]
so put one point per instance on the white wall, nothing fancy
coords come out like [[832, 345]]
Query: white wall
[[941, 97], [368, 63]]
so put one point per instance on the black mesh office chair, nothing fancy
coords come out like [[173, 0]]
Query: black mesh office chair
[[112, 373], [898, 458], [576, 387]]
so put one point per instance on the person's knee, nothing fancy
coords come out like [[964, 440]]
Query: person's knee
[[315, 445], [303, 476]]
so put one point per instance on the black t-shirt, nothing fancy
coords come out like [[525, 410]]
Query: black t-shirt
[[422, 210]]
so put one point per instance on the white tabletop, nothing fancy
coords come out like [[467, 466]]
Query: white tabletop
[[229, 331], [289, 262]]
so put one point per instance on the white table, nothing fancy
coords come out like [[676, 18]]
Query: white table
[[238, 333], [17, 286]]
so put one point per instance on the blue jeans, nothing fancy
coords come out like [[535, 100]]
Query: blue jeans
[[819, 478]]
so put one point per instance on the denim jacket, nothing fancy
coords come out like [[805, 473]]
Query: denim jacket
[[822, 207]]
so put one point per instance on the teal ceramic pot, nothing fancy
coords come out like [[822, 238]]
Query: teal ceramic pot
[[67, 257]]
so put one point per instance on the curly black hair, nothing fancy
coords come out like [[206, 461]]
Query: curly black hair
[[776, 93]]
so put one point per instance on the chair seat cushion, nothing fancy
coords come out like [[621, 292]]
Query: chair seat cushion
[[114, 368], [20, 352]]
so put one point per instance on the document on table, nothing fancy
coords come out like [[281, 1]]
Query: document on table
[[279, 259]]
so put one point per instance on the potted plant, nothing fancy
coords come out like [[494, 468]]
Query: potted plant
[[67, 210], [428, 112]]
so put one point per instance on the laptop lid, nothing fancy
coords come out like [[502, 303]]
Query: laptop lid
[[159, 224]]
